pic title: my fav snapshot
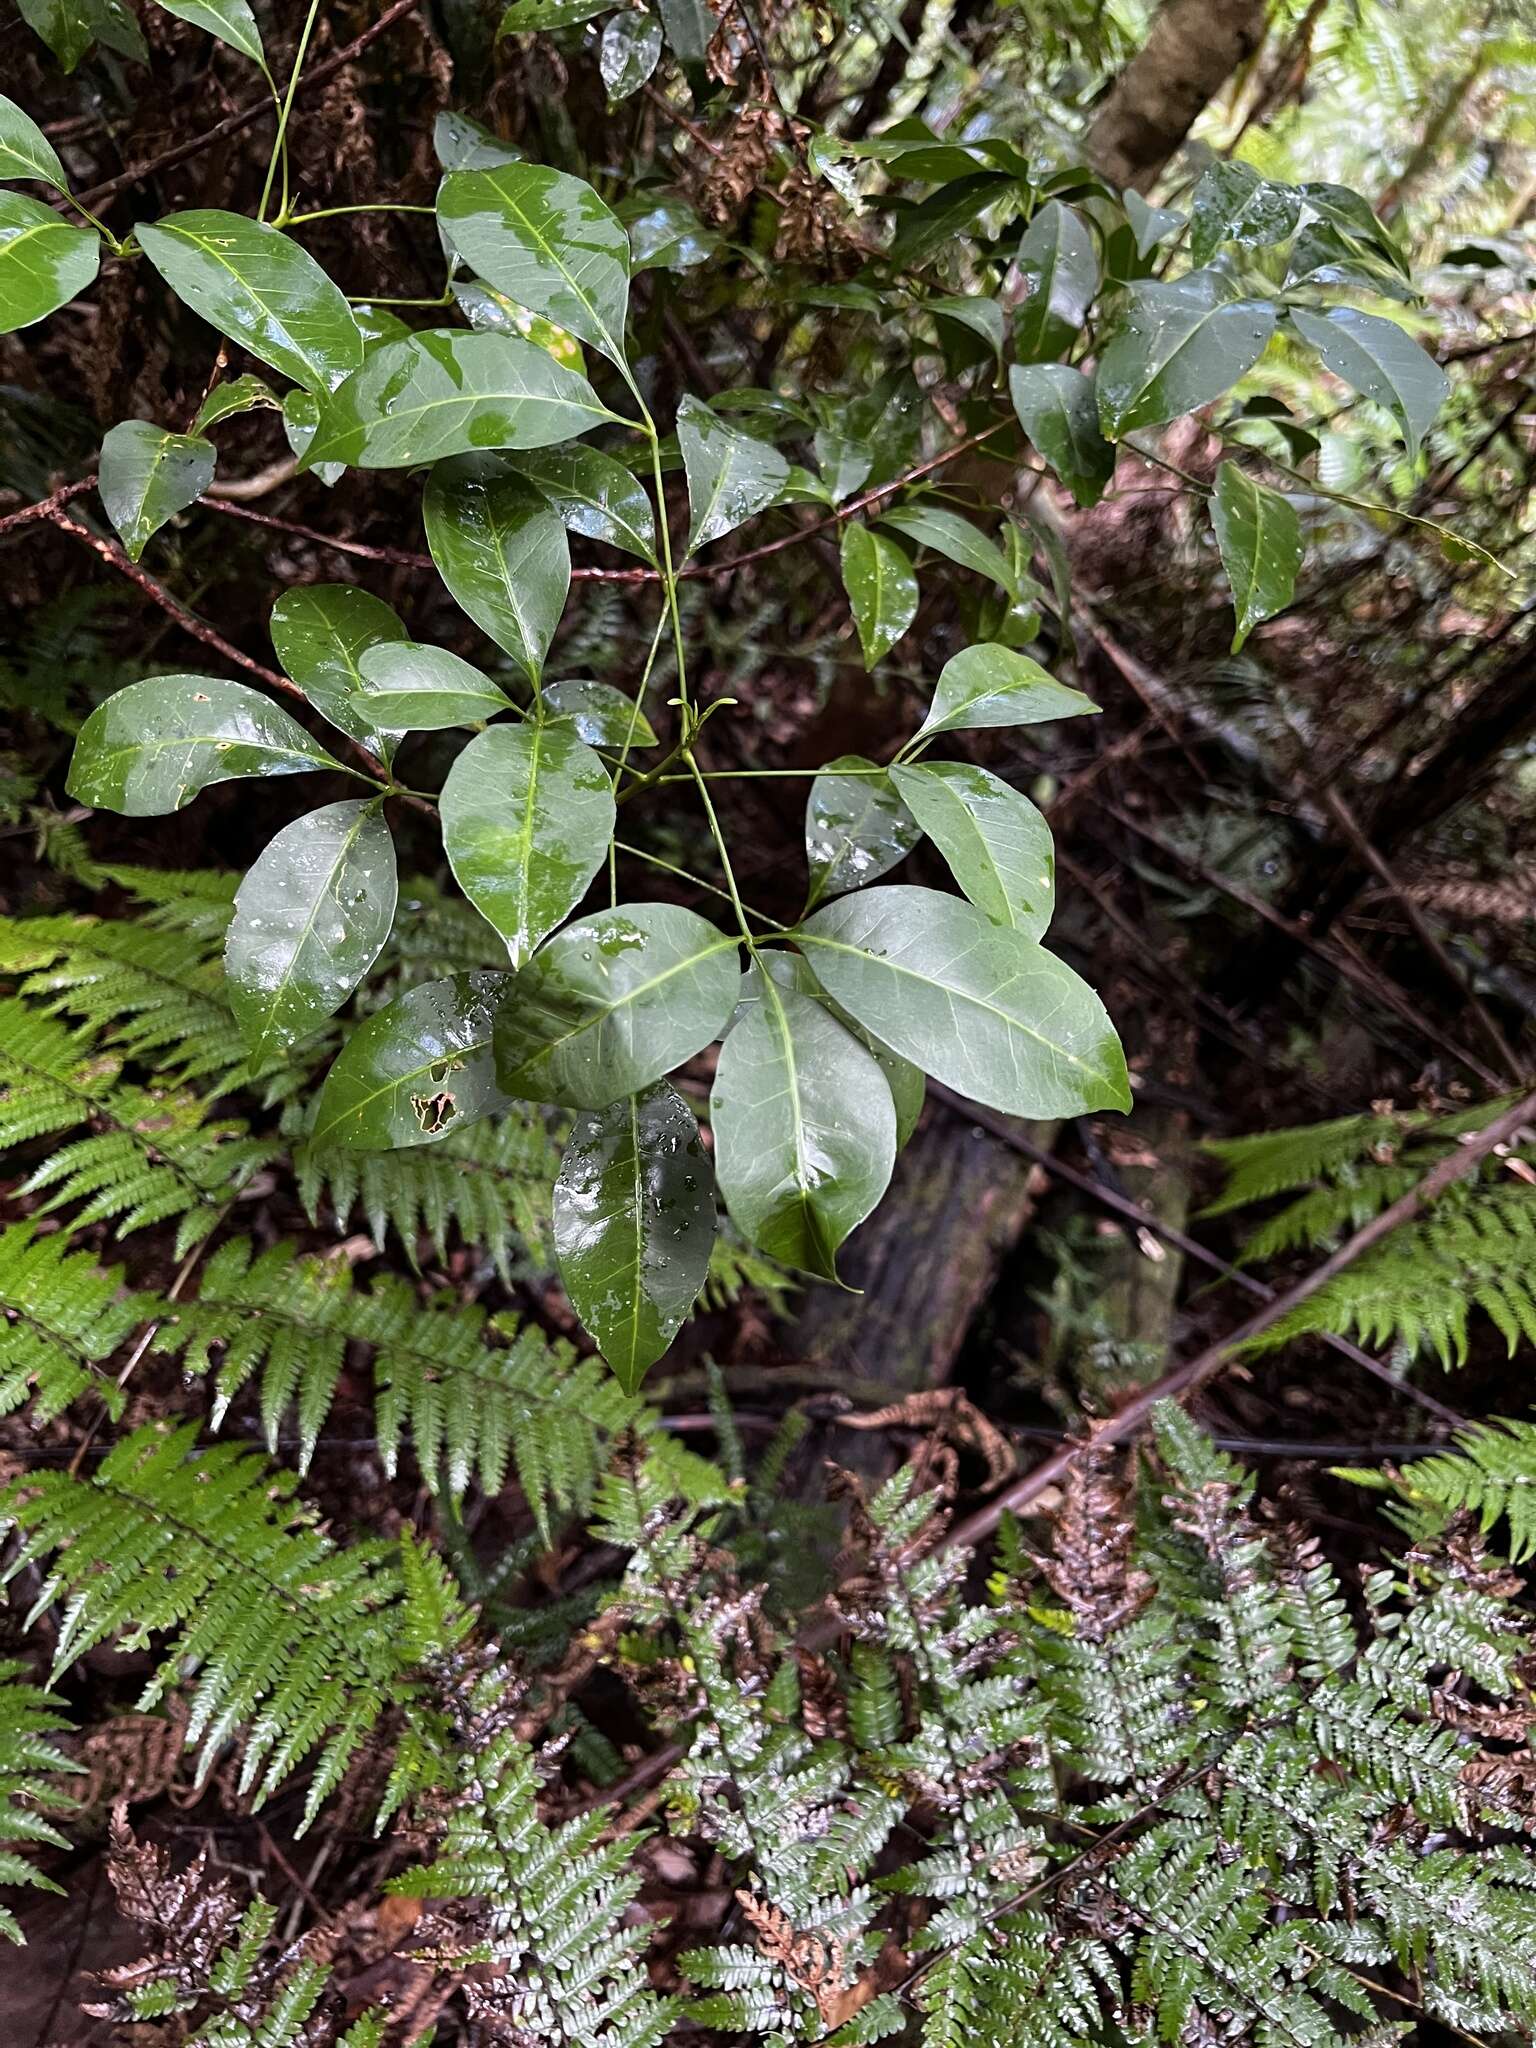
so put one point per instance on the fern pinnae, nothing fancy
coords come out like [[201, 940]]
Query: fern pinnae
[[61, 1318], [30, 1767]]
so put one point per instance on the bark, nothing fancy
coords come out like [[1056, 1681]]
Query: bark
[[1194, 47]]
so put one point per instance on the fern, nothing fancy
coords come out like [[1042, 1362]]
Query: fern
[[298, 1641], [1491, 1474], [28, 1765], [64, 1316]]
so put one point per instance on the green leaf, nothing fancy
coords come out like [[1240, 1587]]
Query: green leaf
[[240, 394], [1379, 361], [69, 27], [443, 392], [44, 262], [151, 748], [417, 1069], [856, 827], [731, 475], [1232, 203], [932, 526], [989, 685], [524, 16], [147, 475], [1260, 540], [311, 917], [1345, 209], [596, 497], [1056, 407], [804, 1125], [548, 242], [301, 422], [25, 151], [908, 1087], [1060, 270], [1150, 224], [983, 1009], [923, 230], [231, 21], [258, 287], [975, 312], [628, 54], [997, 844], [321, 632], [598, 713], [528, 814], [667, 235], [634, 1222], [406, 687], [1182, 344], [882, 590], [690, 27], [613, 1002], [501, 549], [463, 144]]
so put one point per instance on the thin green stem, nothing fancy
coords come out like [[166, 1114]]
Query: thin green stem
[[369, 299], [296, 220], [285, 108], [629, 740], [724, 853], [85, 213], [686, 875]]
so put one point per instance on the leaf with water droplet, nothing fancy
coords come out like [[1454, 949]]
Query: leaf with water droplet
[[731, 474], [147, 475], [989, 685], [997, 844], [152, 747], [882, 590], [320, 632], [501, 549], [1179, 345], [856, 826], [417, 1069], [426, 689]]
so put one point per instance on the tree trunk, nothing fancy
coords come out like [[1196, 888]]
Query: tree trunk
[[1194, 47]]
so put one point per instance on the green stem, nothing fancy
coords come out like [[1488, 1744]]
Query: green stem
[[85, 213], [725, 858], [686, 875], [295, 220], [369, 299], [629, 739], [285, 107]]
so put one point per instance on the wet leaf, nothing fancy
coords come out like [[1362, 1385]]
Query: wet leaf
[[44, 262], [983, 1009], [70, 27], [1232, 203], [241, 394], [1180, 345], [1060, 271], [320, 632], [25, 151], [634, 1221], [442, 393], [151, 748], [501, 549], [629, 53], [464, 144], [856, 827], [997, 844], [598, 713], [417, 1069], [311, 917], [523, 16], [882, 590], [731, 475], [147, 475], [595, 496], [948, 534], [231, 21], [1058, 411], [1377, 359], [803, 1121], [1260, 540], [527, 815], [410, 688], [990, 685], [261, 289], [615, 1001]]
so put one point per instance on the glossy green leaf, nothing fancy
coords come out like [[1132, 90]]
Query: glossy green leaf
[[1150, 224], [690, 26], [527, 815], [989, 685], [924, 229], [948, 534], [856, 827], [151, 748], [983, 1009], [1057, 409], [464, 144], [1260, 540], [634, 1223], [613, 1002], [25, 151], [731, 475], [69, 27], [907, 1084], [1181, 345], [320, 632], [524, 16], [628, 54], [258, 287], [598, 713], [417, 1069], [666, 234], [231, 21], [844, 462], [443, 392], [804, 1125], [1060, 272], [301, 423], [1378, 360], [241, 394], [978, 314], [548, 242], [405, 687], [1232, 203], [1355, 215], [311, 917], [596, 497], [882, 590], [501, 549], [44, 262], [147, 475], [997, 844]]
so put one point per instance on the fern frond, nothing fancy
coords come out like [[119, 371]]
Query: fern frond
[[29, 1764], [1491, 1474], [1266, 1163], [63, 1317]]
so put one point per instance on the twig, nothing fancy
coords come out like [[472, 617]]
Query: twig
[[1189, 1377], [46, 507]]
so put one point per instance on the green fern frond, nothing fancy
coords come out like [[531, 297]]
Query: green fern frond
[[296, 1640], [1490, 1474], [63, 1317], [29, 1764], [1267, 1163]]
